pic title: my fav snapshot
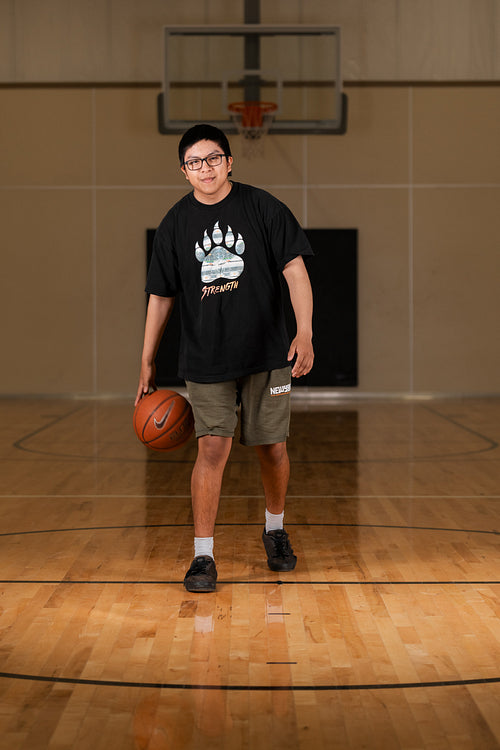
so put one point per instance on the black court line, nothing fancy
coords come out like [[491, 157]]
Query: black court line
[[173, 582], [332, 524], [490, 445], [244, 582], [53, 421], [250, 688]]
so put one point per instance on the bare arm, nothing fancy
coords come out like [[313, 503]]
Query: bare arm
[[159, 311], [301, 297]]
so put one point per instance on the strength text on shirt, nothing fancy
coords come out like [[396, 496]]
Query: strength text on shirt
[[229, 287]]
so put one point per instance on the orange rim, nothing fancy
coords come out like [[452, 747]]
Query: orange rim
[[252, 113]]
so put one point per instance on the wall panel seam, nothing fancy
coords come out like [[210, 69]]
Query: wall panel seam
[[94, 241], [298, 186], [411, 297]]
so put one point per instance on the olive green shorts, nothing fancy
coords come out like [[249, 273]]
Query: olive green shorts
[[263, 399]]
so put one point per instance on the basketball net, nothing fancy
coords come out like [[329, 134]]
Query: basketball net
[[253, 120]]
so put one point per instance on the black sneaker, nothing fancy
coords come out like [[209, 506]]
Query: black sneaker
[[279, 550], [202, 574]]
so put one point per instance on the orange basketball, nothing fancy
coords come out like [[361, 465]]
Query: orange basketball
[[163, 420]]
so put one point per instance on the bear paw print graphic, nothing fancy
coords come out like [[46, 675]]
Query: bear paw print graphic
[[217, 262]]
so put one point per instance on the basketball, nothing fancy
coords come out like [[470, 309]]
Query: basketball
[[163, 420]]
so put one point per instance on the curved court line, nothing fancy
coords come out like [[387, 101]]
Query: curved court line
[[54, 420], [493, 532], [490, 532], [490, 445], [248, 688], [257, 688], [62, 581]]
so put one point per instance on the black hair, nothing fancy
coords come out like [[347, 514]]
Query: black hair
[[203, 132]]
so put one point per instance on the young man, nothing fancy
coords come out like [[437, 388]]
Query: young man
[[221, 250]]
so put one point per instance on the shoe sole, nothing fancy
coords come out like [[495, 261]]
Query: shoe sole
[[202, 589], [281, 568]]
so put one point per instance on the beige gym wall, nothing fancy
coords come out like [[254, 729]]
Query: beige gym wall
[[84, 173]]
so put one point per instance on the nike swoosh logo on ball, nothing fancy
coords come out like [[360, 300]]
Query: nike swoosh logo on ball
[[159, 423]]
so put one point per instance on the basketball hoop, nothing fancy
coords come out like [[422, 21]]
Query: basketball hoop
[[253, 120]]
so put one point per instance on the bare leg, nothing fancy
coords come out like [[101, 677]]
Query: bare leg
[[206, 481], [275, 470], [275, 473]]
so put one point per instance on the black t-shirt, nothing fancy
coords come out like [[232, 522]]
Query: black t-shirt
[[223, 262]]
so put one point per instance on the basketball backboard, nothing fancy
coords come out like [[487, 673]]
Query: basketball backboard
[[207, 69]]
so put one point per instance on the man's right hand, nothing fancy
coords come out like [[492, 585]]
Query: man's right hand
[[159, 310], [146, 381]]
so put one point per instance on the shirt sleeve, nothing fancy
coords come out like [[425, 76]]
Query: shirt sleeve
[[163, 277], [287, 238]]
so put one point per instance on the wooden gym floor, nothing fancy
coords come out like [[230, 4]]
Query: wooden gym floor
[[387, 634]]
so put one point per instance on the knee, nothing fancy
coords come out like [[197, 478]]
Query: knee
[[273, 455], [214, 450]]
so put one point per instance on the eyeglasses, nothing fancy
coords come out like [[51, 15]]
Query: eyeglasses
[[214, 160]]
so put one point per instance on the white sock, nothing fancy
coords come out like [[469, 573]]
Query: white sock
[[274, 522], [204, 545]]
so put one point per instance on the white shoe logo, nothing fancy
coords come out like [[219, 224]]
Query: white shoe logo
[[159, 423]]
